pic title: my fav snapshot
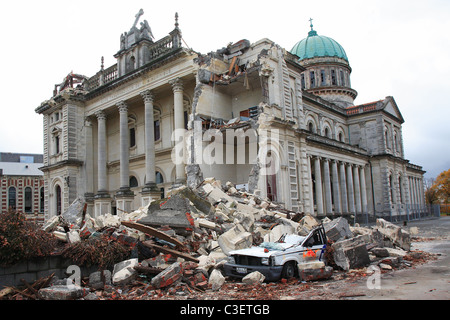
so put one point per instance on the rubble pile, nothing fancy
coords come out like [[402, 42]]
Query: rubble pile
[[179, 244]]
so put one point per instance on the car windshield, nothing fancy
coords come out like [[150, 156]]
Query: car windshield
[[285, 242]]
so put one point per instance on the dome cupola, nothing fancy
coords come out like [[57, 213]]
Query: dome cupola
[[327, 68]]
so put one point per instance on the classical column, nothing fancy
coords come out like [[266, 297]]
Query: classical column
[[102, 201], [88, 161], [150, 170], [362, 177], [101, 153], [124, 148], [351, 194], [336, 189], [149, 192], [327, 182], [357, 189], [318, 186], [343, 188], [177, 86]]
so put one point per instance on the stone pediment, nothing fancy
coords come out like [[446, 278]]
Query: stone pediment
[[390, 106]]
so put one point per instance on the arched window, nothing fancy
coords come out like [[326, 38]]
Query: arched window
[[386, 138], [28, 200], [133, 182], [400, 188], [391, 189], [58, 200], [159, 178], [341, 137], [12, 198], [327, 132]]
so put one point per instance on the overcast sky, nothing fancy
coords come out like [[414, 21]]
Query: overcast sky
[[396, 48]]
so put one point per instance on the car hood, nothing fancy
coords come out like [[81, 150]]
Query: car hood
[[260, 251]]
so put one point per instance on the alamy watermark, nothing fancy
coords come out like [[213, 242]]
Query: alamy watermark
[[374, 280], [228, 146]]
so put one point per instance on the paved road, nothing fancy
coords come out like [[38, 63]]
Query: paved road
[[430, 281]]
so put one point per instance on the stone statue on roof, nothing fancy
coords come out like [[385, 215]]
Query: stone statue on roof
[[146, 31]]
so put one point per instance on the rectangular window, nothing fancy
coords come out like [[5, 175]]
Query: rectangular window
[[312, 78], [322, 77], [333, 77], [56, 144], [342, 78], [303, 81], [156, 127], [132, 137]]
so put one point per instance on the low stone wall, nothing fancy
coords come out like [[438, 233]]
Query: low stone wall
[[34, 269]]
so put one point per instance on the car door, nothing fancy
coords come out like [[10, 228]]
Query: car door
[[314, 246]]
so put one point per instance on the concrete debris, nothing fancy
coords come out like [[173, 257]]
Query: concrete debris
[[351, 253], [124, 272], [338, 229], [235, 238], [98, 279], [254, 278], [180, 243], [314, 271], [169, 276], [216, 280], [62, 292], [394, 233]]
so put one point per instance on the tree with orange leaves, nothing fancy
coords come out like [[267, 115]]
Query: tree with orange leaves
[[442, 186]]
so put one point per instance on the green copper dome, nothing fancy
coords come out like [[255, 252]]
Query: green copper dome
[[318, 46]]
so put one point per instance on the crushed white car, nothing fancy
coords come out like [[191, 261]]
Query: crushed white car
[[276, 260]]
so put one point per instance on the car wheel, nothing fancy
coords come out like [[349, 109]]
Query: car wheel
[[288, 270]]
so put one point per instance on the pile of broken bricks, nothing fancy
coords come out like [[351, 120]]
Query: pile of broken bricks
[[182, 242]]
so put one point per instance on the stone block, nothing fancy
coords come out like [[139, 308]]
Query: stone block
[[62, 292], [351, 253], [73, 236], [95, 279], [169, 276], [254, 277], [277, 231], [311, 265], [380, 252], [124, 272], [124, 276], [396, 234], [396, 252], [235, 238], [338, 229], [206, 223], [306, 224], [316, 274], [216, 280]]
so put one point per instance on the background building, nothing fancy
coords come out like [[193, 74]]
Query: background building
[[22, 183], [108, 137]]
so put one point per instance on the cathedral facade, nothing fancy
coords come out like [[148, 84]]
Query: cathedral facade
[[279, 123]]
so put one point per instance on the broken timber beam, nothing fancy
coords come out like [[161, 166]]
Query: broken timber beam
[[171, 251], [152, 232]]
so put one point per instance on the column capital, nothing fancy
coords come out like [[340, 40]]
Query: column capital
[[122, 107], [177, 84], [148, 96], [101, 115], [87, 122]]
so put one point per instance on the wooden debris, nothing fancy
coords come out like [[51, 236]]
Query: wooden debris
[[171, 251], [153, 232]]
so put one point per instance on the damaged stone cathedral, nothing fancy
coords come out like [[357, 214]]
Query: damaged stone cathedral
[[109, 138]]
